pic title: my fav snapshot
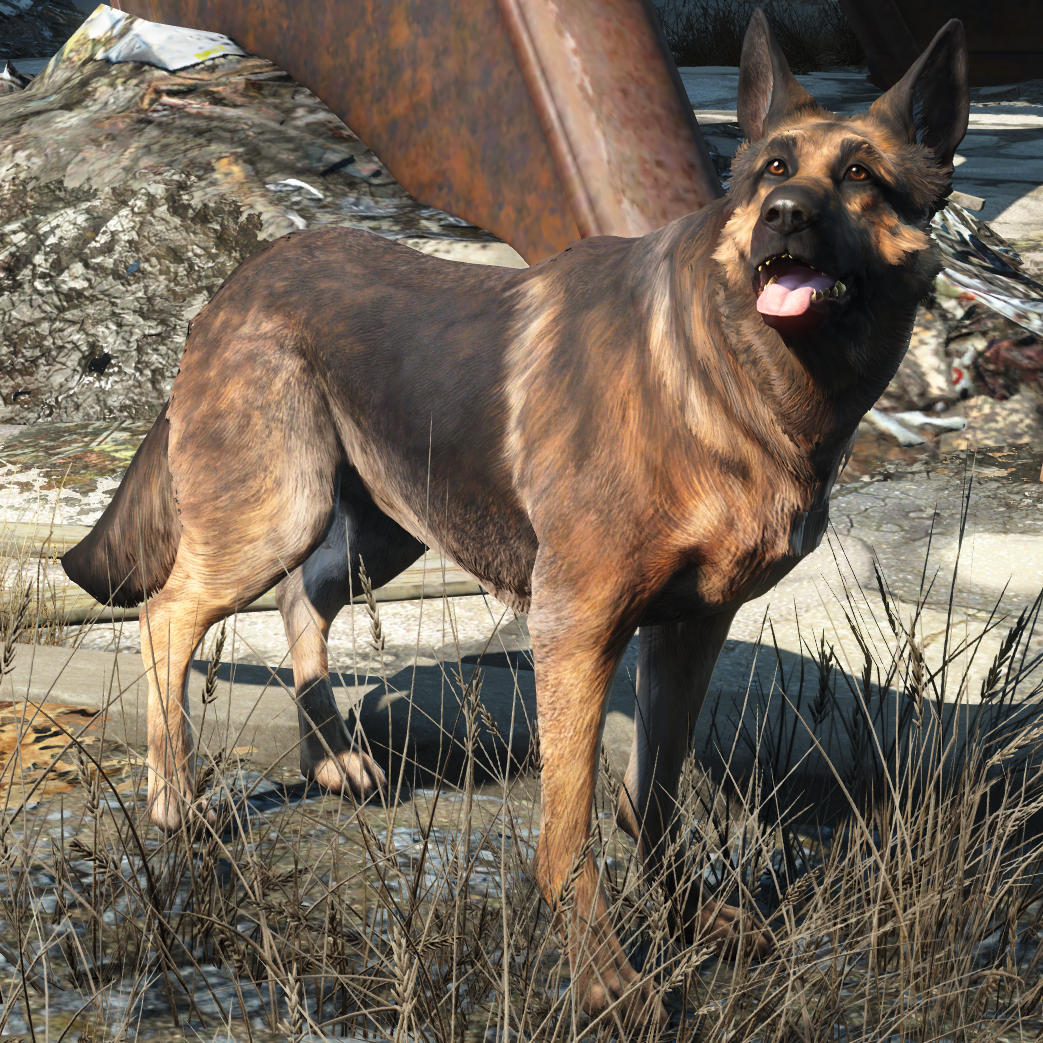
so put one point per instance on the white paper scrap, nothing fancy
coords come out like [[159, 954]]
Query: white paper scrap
[[170, 47], [103, 19], [291, 184]]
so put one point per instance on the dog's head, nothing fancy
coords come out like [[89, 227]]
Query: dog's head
[[831, 211]]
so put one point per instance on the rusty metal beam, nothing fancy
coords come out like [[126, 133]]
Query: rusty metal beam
[[558, 119]]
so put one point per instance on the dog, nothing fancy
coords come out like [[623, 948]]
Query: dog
[[631, 434]]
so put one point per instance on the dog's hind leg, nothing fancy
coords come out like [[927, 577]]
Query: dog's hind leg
[[675, 664], [327, 756], [173, 624], [256, 487], [309, 600]]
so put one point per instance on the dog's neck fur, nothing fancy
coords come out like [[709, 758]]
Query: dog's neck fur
[[816, 408]]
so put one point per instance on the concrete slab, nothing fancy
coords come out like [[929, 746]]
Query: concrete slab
[[415, 712]]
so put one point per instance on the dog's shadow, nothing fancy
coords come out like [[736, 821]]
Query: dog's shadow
[[754, 715]]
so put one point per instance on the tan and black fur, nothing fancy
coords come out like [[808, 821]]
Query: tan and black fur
[[613, 438]]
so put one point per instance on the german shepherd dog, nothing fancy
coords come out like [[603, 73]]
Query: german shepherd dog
[[634, 433]]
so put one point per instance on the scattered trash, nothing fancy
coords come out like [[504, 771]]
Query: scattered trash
[[11, 80], [981, 266], [291, 184], [169, 47], [962, 369], [894, 424]]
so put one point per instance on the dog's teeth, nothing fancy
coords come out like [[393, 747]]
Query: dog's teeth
[[774, 278], [840, 288], [760, 267], [817, 295]]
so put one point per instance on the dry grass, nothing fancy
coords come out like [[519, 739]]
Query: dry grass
[[710, 32], [913, 913]]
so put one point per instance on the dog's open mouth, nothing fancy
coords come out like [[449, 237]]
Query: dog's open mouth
[[790, 289]]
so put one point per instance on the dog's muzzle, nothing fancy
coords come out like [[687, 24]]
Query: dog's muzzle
[[792, 293]]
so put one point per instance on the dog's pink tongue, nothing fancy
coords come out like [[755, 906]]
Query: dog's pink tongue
[[791, 295]]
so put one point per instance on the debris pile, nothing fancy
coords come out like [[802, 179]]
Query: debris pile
[[116, 229]]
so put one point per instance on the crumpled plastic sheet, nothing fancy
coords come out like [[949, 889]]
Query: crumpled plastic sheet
[[981, 266], [169, 47]]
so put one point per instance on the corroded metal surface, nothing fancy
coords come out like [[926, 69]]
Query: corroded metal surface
[[606, 144], [614, 112]]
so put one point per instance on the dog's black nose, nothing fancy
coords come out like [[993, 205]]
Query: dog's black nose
[[790, 208]]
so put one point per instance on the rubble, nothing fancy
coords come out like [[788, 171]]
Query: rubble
[[97, 287], [981, 266], [129, 192]]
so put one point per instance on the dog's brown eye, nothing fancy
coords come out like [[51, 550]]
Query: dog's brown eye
[[777, 167], [857, 173]]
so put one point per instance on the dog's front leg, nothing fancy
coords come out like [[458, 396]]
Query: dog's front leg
[[675, 665], [576, 650]]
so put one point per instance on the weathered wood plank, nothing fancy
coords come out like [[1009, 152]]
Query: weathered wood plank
[[430, 577]]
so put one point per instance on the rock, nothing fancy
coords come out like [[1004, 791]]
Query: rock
[[97, 287]]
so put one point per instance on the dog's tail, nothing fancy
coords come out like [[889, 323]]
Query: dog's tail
[[130, 552]]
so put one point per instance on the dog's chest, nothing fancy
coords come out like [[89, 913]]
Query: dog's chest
[[745, 564]]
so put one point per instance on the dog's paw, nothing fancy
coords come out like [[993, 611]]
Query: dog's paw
[[618, 985], [350, 771], [720, 927], [165, 811]]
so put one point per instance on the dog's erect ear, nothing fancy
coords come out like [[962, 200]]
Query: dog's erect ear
[[767, 89], [931, 103]]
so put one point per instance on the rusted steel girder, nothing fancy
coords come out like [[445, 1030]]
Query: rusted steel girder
[[539, 120]]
